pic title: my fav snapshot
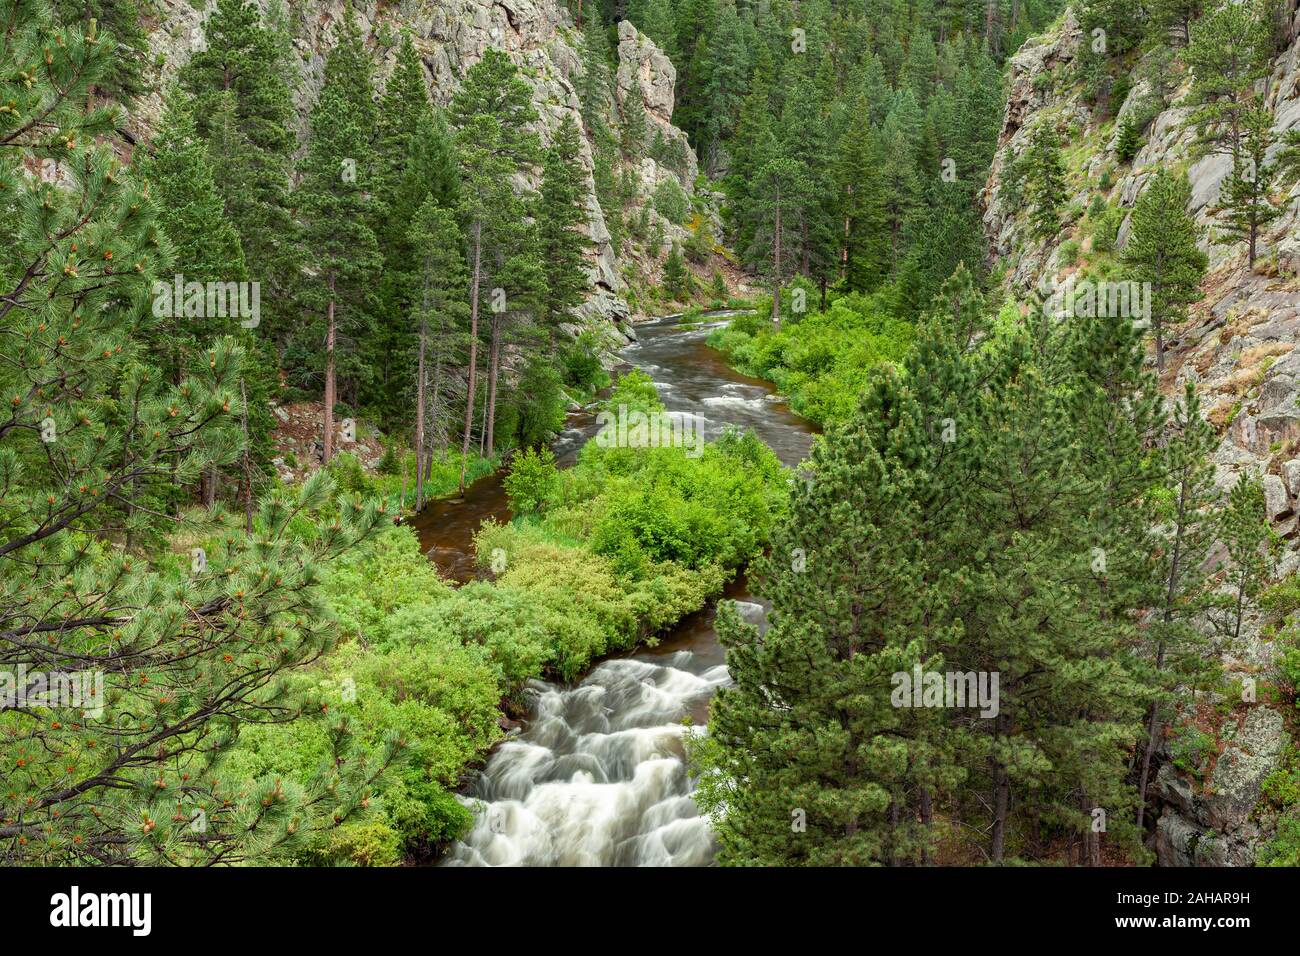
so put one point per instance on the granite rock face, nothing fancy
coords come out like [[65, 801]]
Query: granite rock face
[[451, 36], [1239, 347], [1216, 824]]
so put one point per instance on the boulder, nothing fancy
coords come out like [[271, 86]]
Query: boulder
[[1277, 503], [1291, 472]]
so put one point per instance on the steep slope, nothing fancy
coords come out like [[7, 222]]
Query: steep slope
[[451, 36], [1239, 346]]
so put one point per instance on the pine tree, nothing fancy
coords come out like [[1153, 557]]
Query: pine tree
[[1253, 547], [780, 197], [1129, 140], [806, 752], [1187, 509], [1248, 192], [439, 313], [205, 242], [243, 110], [677, 278], [1229, 51], [414, 159], [118, 22], [1045, 183], [334, 207], [864, 258], [899, 189], [725, 88], [561, 217], [93, 435], [491, 113], [1162, 250]]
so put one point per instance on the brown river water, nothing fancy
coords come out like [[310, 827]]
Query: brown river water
[[595, 776]]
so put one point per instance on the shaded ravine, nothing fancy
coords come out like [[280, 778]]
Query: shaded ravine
[[596, 777]]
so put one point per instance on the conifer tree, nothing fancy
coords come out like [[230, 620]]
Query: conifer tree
[[1229, 51], [1044, 183], [780, 196], [806, 752], [414, 160], [633, 132], [491, 113], [1252, 546], [1248, 191], [334, 208], [205, 242], [188, 647], [1186, 509], [677, 278], [1129, 140], [1162, 250], [561, 219], [242, 90], [440, 310], [119, 22]]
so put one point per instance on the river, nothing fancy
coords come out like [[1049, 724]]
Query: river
[[596, 776]]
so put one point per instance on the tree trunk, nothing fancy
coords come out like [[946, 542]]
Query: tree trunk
[[248, 463], [328, 447], [476, 275], [419, 421], [927, 818], [844, 246], [1001, 801], [494, 365], [776, 266]]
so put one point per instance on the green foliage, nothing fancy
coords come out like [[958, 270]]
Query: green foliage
[[679, 282], [1162, 251], [986, 508], [562, 215], [822, 362], [671, 202], [1045, 187], [1129, 141], [532, 480]]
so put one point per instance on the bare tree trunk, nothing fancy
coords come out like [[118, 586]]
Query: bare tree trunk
[[210, 486], [927, 818], [776, 266], [1001, 801], [844, 246], [328, 448], [419, 421], [494, 365], [482, 428], [435, 413], [473, 348], [248, 463]]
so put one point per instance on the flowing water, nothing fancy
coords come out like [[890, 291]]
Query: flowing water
[[596, 777]]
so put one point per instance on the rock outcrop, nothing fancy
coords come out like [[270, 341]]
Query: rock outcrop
[[1239, 346], [1216, 823], [451, 36]]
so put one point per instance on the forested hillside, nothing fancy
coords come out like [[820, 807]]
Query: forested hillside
[[308, 311]]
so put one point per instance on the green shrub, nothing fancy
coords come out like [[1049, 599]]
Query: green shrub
[[532, 480], [670, 201]]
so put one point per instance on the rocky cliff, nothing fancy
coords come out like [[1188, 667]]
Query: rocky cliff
[[1239, 346], [451, 36]]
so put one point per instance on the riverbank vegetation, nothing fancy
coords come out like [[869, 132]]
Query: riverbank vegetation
[[990, 509], [609, 554], [822, 360]]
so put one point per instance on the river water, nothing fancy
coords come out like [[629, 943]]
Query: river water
[[596, 777]]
